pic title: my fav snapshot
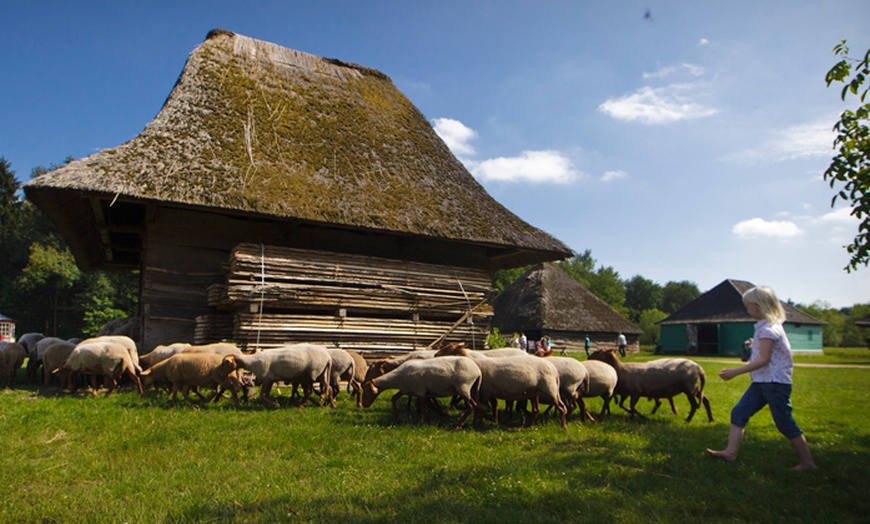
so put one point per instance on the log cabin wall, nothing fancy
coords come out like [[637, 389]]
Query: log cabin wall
[[192, 293]]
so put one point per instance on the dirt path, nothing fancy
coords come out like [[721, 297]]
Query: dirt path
[[799, 364]]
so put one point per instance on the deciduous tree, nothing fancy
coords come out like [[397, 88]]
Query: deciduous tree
[[849, 172]]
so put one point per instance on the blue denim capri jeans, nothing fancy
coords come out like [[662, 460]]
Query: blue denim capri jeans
[[773, 394]]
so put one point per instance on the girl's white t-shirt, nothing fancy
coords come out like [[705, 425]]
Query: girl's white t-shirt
[[780, 367]]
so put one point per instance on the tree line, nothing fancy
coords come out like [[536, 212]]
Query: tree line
[[44, 291], [646, 302]]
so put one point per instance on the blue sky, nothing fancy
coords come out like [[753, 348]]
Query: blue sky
[[677, 140]]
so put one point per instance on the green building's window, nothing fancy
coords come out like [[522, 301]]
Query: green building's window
[[809, 335]]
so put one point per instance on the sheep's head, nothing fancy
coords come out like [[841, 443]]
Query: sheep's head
[[229, 364], [605, 355], [452, 349], [369, 393]]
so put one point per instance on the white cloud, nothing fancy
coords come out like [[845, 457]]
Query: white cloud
[[703, 41], [841, 216], [692, 69], [456, 135], [801, 141], [613, 175], [758, 228], [531, 166], [662, 105]]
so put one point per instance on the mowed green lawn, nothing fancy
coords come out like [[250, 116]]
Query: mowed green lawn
[[76, 458]]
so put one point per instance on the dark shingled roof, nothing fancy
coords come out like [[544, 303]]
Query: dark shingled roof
[[547, 298], [254, 128], [724, 303]]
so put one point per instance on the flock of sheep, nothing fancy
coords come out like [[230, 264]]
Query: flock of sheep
[[477, 379]]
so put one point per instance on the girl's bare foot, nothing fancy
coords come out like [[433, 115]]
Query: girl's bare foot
[[804, 467], [724, 455]]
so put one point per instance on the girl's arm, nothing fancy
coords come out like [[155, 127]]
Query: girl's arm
[[765, 349]]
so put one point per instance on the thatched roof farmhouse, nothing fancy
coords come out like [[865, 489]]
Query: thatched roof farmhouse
[[268, 146], [547, 301]]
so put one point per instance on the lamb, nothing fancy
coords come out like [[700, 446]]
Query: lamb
[[657, 379], [191, 370], [425, 378], [12, 357], [108, 359], [602, 382], [305, 363]]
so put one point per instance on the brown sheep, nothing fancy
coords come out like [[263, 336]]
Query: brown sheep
[[189, 370], [657, 379]]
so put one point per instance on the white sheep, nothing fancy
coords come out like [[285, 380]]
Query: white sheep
[[343, 368], [191, 370], [161, 353], [123, 341], [302, 363], [427, 378], [12, 357], [515, 379], [359, 375], [663, 378], [602, 382], [108, 359], [573, 383]]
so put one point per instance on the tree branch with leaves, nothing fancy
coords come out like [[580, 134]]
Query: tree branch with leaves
[[849, 172]]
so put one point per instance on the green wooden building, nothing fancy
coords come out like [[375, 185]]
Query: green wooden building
[[716, 323]]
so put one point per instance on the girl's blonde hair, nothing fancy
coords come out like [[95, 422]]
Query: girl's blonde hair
[[768, 304]]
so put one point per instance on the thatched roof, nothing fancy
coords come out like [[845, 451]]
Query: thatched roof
[[724, 303], [254, 128], [546, 298]]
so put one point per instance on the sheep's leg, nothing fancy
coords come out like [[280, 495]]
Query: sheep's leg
[[693, 402], [563, 413], [394, 400], [633, 406], [536, 408], [605, 408], [470, 406], [584, 412], [707, 406], [673, 407], [265, 388], [111, 383]]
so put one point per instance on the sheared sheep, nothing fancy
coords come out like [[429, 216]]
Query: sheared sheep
[[54, 357], [122, 340], [191, 370], [573, 383], [28, 341], [661, 378], [108, 359], [12, 356], [343, 368], [516, 379], [426, 378], [602, 382], [359, 375], [160, 353], [303, 363]]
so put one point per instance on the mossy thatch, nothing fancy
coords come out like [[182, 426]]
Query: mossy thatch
[[548, 299], [255, 128]]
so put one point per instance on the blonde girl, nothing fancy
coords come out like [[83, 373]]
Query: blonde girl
[[770, 368]]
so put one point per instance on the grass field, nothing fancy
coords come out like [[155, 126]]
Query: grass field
[[75, 458]]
